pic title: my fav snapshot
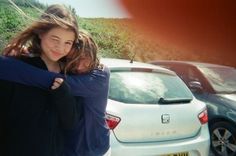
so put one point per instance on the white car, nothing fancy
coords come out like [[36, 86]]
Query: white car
[[151, 112]]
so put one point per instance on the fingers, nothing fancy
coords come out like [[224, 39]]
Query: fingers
[[57, 83], [25, 49]]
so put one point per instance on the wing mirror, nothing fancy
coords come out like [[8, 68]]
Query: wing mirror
[[195, 86]]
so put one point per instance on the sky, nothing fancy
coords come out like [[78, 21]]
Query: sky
[[94, 8]]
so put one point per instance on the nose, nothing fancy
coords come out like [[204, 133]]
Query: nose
[[59, 47], [80, 68]]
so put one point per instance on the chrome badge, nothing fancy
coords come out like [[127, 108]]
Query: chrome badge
[[165, 118]]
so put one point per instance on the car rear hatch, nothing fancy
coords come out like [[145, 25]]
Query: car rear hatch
[[151, 107], [142, 123]]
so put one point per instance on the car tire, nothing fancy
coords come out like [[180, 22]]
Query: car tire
[[223, 139]]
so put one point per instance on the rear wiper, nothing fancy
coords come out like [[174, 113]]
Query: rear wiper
[[174, 100]]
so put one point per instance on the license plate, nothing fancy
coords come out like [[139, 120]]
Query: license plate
[[177, 154]]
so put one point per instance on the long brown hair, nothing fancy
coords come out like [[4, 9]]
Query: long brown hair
[[86, 46], [54, 16]]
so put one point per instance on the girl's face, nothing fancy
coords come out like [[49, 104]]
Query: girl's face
[[56, 43], [84, 64]]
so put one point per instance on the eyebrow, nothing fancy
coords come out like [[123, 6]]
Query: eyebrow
[[54, 36]]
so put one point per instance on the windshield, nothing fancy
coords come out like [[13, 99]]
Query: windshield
[[222, 79], [146, 88]]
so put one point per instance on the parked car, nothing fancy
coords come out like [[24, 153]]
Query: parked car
[[151, 112], [216, 86]]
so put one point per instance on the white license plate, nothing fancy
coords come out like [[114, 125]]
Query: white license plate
[[177, 154]]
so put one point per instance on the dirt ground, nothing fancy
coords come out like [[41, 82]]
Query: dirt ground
[[163, 53], [195, 30]]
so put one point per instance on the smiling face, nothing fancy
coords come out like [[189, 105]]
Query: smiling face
[[56, 43]]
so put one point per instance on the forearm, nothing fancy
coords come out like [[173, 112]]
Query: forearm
[[84, 85], [91, 84], [17, 71]]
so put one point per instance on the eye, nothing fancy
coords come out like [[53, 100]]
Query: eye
[[68, 43], [55, 39]]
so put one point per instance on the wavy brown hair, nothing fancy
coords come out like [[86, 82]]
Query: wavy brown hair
[[54, 16], [86, 47]]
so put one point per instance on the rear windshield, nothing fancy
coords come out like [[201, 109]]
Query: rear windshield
[[146, 88]]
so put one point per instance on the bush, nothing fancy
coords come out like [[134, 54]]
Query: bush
[[114, 37], [12, 21]]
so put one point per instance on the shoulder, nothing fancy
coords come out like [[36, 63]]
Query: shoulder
[[35, 61], [102, 70], [29, 60]]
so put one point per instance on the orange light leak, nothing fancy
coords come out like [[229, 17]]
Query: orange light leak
[[194, 26]]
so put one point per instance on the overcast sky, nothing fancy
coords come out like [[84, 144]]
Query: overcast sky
[[94, 8]]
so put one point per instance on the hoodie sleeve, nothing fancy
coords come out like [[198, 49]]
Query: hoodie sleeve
[[85, 85], [91, 84], [63, 101], [14, 70]]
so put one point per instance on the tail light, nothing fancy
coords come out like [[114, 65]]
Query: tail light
[[203, 117], [112, 121]]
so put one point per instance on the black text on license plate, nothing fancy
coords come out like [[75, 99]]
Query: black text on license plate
[[177, 154]]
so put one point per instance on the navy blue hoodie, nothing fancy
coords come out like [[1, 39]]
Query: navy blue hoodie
[[90, 137]]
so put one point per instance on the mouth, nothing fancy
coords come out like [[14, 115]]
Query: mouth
[[58, 54]]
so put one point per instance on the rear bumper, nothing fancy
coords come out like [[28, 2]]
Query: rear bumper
[[196, 146]]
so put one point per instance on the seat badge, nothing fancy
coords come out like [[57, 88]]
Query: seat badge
[[165, 118]]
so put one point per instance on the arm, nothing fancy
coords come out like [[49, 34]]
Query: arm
[[63, 101], [91, 84], [81, 85], [17, 71]]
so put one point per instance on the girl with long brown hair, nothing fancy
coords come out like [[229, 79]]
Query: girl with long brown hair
[[32, 119]]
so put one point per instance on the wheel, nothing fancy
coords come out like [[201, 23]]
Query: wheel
[[223, 139]]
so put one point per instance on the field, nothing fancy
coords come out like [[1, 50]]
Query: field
[[116, 38]]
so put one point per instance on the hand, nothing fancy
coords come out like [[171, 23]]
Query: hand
[[57, 83]]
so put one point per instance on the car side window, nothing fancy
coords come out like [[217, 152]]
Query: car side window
[[181, 72], [190, 77]]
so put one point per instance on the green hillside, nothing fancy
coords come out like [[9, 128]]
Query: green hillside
[[115, 37], [12, 21]]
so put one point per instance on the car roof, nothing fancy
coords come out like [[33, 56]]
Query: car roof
[[193, 63], [113, 63]]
